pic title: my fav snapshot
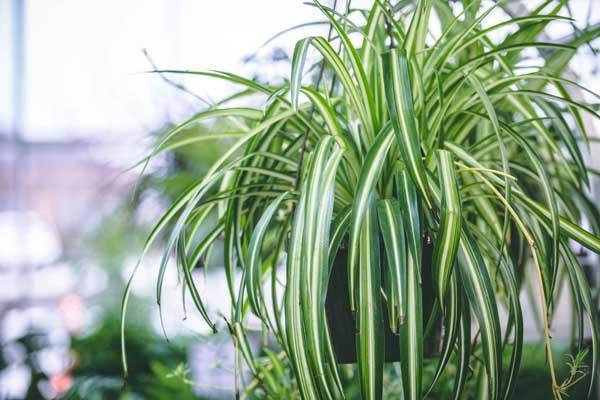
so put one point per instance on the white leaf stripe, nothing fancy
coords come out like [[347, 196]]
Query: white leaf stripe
[[253, 270], [567, 226], [310, 273], [480, 294], [369, 174], [298, 60], [402, 115], [321, 178], [446, 245], [357, 67], [345, 140], [293, 318], [340, 69], [371, 344], [392, 230], [410, 205], [477, 284], [411, 332]]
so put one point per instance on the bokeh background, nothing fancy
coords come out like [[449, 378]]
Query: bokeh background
[[77, 112]]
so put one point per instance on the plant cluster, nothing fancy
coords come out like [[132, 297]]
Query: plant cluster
[[400, 135]]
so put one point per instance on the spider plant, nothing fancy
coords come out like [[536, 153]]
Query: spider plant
[[392, 135]]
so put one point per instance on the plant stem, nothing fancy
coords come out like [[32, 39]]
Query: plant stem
[[533, 247], [176, 85]]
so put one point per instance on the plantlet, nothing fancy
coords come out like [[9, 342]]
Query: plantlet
[[402, 137], [577, 371]]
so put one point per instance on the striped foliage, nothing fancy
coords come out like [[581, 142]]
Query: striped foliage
[[388, 135]]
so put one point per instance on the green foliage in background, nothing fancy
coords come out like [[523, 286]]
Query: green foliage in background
[[156, 362], [402, 134]]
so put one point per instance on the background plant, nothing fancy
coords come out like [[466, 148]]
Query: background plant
[[402, 135]]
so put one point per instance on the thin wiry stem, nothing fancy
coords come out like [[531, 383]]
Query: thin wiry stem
[[533, 247], [176, 85]]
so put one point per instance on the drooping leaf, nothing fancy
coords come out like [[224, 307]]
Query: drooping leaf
[[392, 231], [411, 332], [446, 245], [402, 114], [370, 337], [253, 271]]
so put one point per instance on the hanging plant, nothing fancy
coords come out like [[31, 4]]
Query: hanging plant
[[409, 184]]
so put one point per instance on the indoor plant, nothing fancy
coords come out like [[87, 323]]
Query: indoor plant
[[401, 136]]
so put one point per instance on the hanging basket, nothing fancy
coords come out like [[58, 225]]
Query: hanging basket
[[342, 324]]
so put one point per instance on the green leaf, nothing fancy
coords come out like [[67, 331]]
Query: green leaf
[[189, 281], [414, 44], [241, 345], [328, 115], [392, 230], [411, 332], [357, 67], [320, 179], [338, 66], [293, 313], [369, 175], [446, 246], [476, 281], [410, 206], [298, 60], [370, 338], [451, 327], [579, 280], [253, 271], [510, 282], [400, 106], [339, 229], [463, 349], [569, 228], [558, 60]]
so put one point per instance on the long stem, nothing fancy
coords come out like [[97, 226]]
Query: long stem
[[533, 247]]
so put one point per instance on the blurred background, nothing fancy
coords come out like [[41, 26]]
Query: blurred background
[[77, 112]]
